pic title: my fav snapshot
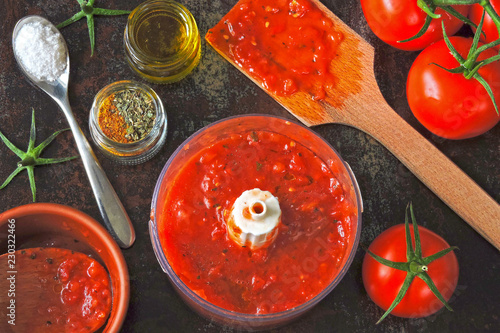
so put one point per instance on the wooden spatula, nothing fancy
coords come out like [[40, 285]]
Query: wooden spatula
[[357, 101], [31, 292]]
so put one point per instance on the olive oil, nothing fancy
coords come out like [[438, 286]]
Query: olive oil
[[162, 42], [159, 35]]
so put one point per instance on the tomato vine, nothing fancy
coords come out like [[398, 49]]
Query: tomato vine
[[467, 66], [429, 7]]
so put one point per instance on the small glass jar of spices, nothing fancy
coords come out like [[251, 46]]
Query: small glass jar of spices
[[162, 42], [128, 122]]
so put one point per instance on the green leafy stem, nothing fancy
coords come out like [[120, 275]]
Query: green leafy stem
[[484, 3], [415, 266], [429, 7], [31, 157], [88, 11], [468, 67]]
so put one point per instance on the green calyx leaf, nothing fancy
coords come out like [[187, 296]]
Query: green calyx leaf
[[422, 31], [30, 158], [402, 292], [87, 10], [402, 266], [416, 265], [427, 279], [429, 8]]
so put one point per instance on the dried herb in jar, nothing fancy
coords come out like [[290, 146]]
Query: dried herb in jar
[[127, 116]]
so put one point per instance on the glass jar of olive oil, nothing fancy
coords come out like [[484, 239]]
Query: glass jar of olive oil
[[162, 42]]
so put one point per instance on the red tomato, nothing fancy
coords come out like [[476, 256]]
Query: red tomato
[[448, 104], [489, 27], [396, 20], [382, 283]]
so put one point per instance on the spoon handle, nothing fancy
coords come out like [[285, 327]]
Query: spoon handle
[[113, 213]]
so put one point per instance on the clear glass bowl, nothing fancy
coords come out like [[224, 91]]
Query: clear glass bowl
[[169, 68], [212, 134], [129, 153]]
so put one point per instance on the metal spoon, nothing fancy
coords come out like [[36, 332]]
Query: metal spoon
[[114, 215]]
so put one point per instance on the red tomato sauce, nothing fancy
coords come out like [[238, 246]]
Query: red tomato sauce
[[86, 293], [285, 45], [312, 239], [79, 297]]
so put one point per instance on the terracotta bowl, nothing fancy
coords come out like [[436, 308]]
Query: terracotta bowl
[[53, 225]]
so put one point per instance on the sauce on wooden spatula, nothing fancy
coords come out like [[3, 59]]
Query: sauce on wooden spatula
[[353, 99], [53, 290], [287, 46]]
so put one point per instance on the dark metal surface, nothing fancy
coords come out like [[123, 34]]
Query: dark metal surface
[[216, 90]]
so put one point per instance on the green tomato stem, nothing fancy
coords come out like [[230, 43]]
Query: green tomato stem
[[30, 158], [455, 2], [459, 16], [87, 9], [493, 14], [428, 8], [27, 161], [417, 268], [484, 3], [416, 265]]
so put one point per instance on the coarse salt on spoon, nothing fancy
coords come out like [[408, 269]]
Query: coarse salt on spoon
[[355, 100], [48, 68], [53, 290]]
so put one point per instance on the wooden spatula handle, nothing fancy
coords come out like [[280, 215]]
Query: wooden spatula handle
[[435, 170]]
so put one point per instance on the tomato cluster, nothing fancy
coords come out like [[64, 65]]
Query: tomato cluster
[[447, 104]]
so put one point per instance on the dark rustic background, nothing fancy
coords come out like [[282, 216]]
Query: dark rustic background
[[216, 90]]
